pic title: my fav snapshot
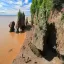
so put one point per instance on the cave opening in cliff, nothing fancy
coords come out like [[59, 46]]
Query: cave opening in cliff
[[49, 48]]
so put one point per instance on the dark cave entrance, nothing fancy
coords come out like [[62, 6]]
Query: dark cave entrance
[[49, 48]]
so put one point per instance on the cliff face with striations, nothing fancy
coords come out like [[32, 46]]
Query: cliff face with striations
[[51, 35], [59, 24]]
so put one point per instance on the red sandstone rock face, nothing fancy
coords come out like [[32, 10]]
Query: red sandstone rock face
[[54, 17], [59, 25], [60, 39], [62, 10]]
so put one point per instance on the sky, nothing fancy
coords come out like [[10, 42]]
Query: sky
[[11, 7]]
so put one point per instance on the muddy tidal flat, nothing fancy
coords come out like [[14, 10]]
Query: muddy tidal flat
[[10, 43]]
